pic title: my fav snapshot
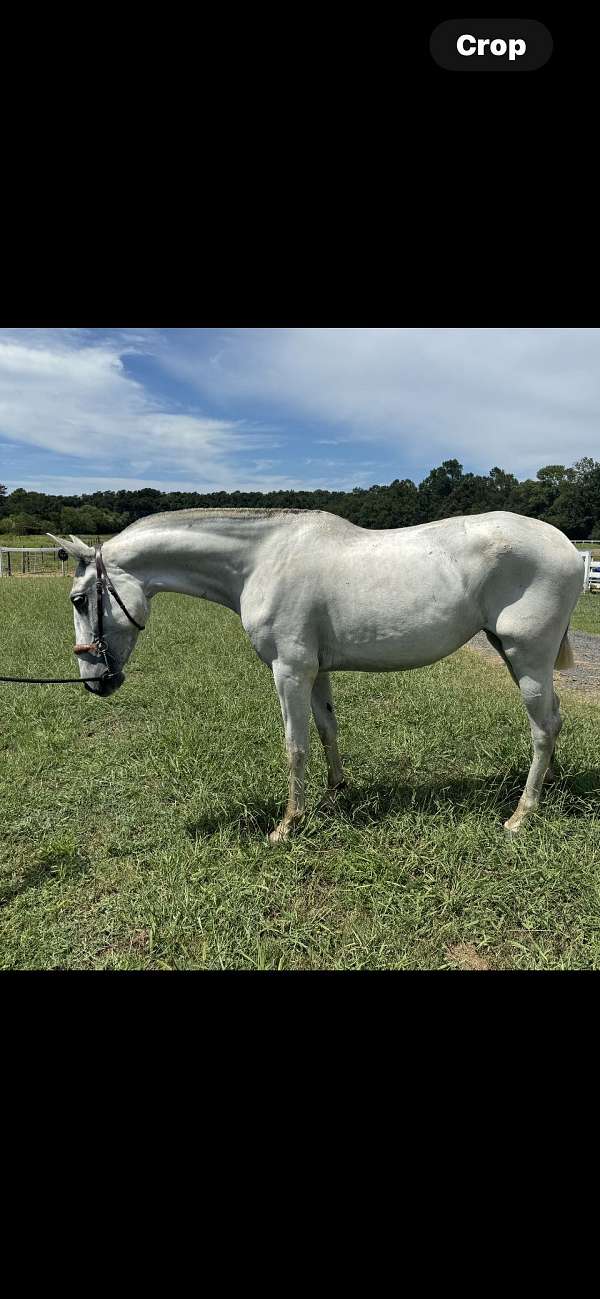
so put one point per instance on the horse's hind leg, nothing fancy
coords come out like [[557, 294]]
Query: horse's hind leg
[[553, 772], [537, 692], [325, 719]]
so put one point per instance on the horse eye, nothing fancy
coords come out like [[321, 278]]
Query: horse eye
[[79, 601]]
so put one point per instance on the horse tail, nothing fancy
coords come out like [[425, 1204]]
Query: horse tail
[[564, 658]]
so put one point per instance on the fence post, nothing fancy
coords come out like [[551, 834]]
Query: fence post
[[9, 570]]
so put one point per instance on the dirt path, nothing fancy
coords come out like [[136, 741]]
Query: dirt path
[[584, 676]]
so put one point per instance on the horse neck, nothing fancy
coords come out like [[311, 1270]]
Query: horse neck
[[210, 561]]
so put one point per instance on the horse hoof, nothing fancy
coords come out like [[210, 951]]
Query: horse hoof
[[329, 796], [279, 835]]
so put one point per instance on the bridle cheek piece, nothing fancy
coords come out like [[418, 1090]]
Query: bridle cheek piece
[[99, 645]]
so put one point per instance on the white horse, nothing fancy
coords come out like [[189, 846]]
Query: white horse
[[316, 594]]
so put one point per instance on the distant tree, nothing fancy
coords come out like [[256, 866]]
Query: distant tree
[[22, 524], [501, 485], [584, 467], [576, 505], [403, 499], [470, 495], [556, 475], [533, 496], [436, 488], [588, 493], [89, 518], [567, 497]]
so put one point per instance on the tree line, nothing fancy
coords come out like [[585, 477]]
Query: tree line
[[568, 497]]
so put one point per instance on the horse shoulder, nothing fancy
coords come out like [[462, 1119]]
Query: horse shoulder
[[278, 614]]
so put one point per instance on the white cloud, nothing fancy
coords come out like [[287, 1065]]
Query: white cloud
[[66, 393], [517, 397]]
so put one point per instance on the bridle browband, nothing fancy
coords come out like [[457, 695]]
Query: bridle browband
[[99, 644]]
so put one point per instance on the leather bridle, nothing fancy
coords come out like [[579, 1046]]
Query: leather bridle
[[99, 645]]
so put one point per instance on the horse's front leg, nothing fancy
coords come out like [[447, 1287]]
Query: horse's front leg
[[294, 687]]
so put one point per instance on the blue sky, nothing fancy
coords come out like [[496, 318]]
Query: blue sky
[[262, 409]]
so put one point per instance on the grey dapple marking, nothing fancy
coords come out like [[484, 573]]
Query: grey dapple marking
[[317, 594]]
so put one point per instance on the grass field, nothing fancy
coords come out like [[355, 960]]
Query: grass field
[[133, 829], [587, 614], [36, 539]]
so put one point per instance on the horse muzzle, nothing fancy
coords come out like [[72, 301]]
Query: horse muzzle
[[104, 685], [102, 681]]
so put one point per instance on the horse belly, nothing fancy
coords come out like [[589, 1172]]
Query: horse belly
[[402, 637]]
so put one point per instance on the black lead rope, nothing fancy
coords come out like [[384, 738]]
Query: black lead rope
[[99, 641], [47, 681]]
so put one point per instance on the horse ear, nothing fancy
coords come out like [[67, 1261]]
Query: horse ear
[[89, 550], [74, 547]]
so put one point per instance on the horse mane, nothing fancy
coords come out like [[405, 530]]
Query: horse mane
[[219, 512]]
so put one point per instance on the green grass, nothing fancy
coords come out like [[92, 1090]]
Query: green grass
[[587, 613], [12, 539], [36, 539], [133, 829]]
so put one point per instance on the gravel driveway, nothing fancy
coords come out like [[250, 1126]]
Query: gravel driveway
[[585, 675]]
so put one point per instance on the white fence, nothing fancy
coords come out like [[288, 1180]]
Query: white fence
[[30, 559], [591, 571]]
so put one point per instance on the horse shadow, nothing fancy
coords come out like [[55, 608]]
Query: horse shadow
[[47, 867], [249, 821], [373, 803]]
